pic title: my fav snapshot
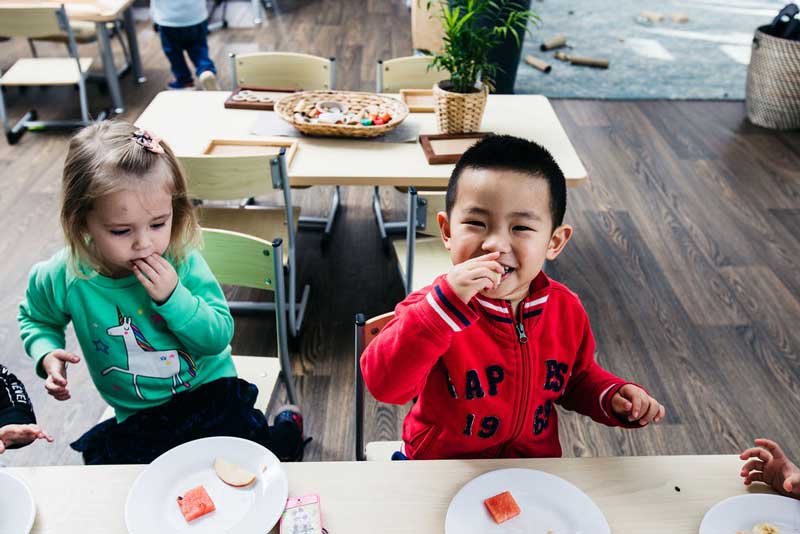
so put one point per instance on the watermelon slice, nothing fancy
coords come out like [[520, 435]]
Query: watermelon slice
[[502, 507], [196, 503]]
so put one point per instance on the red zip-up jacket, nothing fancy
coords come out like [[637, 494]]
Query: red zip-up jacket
[[485, 380]]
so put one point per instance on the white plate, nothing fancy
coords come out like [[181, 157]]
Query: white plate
[[17, 509], [152, 507], [743, 512], [548, 504]]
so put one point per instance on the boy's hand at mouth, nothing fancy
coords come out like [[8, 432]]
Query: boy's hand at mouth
[[157, 276], [475, 275]]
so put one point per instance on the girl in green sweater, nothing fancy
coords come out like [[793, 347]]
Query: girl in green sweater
[[151, 319]]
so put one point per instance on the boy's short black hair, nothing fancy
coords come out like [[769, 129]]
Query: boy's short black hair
[[514, 154]]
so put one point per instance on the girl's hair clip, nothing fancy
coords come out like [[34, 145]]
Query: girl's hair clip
[[149, 141]]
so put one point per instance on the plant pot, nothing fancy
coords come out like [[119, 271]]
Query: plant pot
[[458, 112]]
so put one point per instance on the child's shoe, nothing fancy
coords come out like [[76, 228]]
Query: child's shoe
[[208, 81], [175, 85], [288, 441]]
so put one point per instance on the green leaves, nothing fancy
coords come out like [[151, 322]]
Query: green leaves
[[472, 28]]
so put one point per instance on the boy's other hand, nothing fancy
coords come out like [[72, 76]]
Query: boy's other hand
[[11, 435], [157, 276], [632, 403], [768, 464], [55, 365], [475, 275]]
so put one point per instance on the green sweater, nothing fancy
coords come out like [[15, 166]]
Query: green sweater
[[139, 354]]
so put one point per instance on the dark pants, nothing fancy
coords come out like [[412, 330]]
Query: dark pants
[[192, 40], [224, 407]]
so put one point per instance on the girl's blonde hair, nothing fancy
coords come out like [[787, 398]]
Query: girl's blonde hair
[[105, 158]]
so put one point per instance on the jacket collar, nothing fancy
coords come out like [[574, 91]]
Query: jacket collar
[[532, 305]]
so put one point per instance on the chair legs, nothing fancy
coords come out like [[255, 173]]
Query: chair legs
[[325, 222], [385, 227], [280, 316], [30, 120]]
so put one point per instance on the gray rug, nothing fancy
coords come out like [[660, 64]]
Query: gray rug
[[704, 58]]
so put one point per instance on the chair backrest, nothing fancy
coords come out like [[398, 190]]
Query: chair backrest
[[409, 72], [434, 202], [283, 70], [234, 177], [32, 22], [242, 260], [366, 331]]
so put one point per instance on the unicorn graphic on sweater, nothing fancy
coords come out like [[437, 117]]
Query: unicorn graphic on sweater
[[146, 361]]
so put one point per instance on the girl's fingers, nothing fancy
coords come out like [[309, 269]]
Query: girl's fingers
[[137, 271], [146, 270], [154, 264]]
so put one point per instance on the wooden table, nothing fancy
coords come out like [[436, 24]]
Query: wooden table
[[101, 12], [188, 120], [638, 495]]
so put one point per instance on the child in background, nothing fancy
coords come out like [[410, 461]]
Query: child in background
[[150, 317], [17, 421], [183, 27], [768, 464], [492, 345]]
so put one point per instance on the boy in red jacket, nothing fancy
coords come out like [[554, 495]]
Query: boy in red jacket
[[494, 343]]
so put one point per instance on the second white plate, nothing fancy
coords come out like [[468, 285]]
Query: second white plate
[[743, 512], [548, 504]]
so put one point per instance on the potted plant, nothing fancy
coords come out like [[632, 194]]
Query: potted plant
[[472, 29]]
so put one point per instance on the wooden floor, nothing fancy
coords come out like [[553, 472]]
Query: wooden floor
[[686, 253]]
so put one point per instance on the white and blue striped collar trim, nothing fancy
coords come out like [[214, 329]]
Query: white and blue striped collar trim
[[540, 300], [493, 307]]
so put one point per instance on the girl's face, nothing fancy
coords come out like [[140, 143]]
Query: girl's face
[[130, 225]]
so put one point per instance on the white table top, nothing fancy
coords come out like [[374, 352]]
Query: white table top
[[189, 120], [638, 495], [88, 10]]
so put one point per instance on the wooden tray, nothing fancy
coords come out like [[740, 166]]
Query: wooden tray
[[262, 92], [448, 148], [418, 100], [251, 147]]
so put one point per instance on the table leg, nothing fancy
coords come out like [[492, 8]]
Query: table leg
[[256, 5], [112, 77], [136, 59]]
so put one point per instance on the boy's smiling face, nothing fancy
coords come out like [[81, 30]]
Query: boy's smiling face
[[503, 211]]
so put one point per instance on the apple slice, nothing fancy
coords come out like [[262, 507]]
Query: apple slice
[[232, 474]]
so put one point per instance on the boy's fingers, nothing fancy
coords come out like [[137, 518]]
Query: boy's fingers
[[752, 465], [753, 476], [757, 452], [2, 447], [636, 409], [792, 483], [771, 446], [661, 413], [650, 415]]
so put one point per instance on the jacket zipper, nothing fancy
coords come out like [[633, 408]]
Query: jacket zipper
[[522, 338]]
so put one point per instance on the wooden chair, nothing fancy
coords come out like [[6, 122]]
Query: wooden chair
[[31, 23], [257, 264], [421, 260], [229, 178], [365, 333], [288, 70], [410, 72], [392, 75]]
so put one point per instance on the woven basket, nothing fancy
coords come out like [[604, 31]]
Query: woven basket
[[296, 107], [458, 112], [773, 82]]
